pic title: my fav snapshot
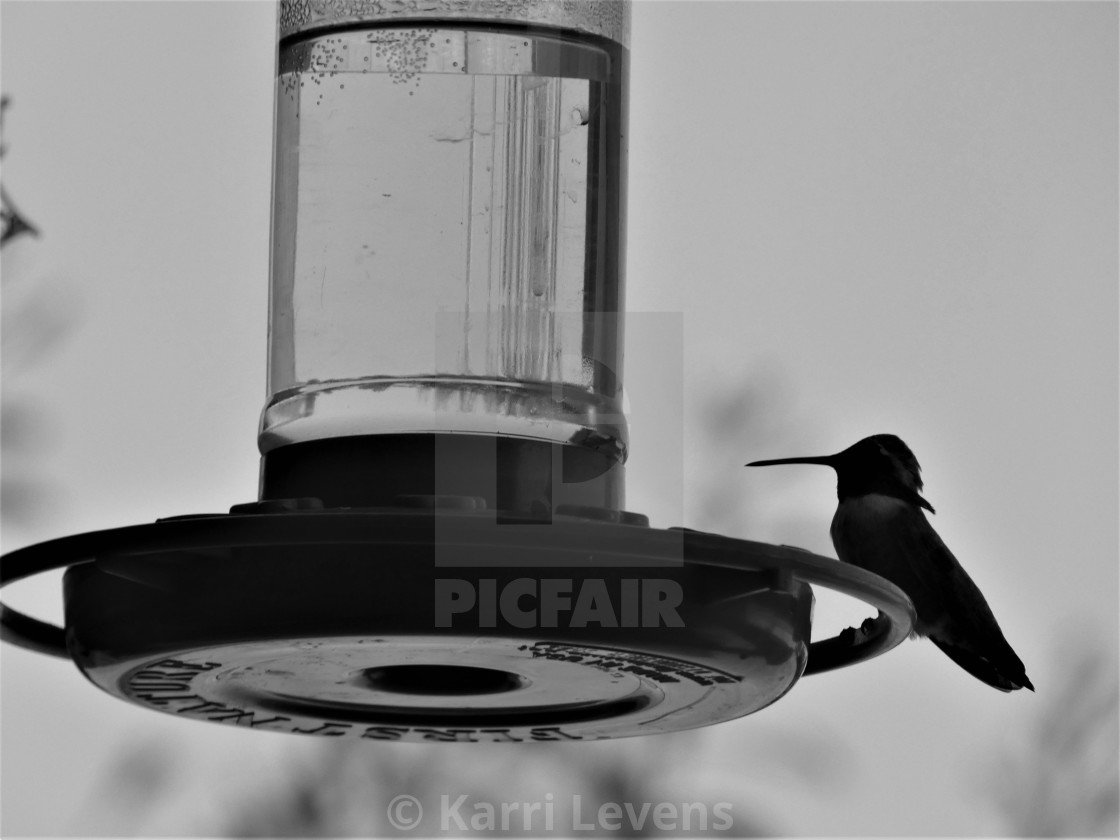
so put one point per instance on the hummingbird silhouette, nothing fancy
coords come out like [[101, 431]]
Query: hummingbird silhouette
[[880, 526]]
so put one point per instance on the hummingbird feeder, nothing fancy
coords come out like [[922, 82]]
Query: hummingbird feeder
[[440, 550]]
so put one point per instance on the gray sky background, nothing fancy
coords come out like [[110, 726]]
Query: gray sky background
[[884, 217]]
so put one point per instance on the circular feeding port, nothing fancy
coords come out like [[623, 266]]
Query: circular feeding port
[[441, 679]]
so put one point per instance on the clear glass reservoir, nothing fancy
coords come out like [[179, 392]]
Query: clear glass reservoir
[[448, 231]]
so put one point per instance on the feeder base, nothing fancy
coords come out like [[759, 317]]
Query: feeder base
[[443, 625], [437, 625], [435, 689]]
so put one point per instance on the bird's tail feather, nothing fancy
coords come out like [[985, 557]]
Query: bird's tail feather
[[982, 668]]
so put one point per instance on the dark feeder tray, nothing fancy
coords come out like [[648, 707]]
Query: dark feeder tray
[[444, 621]]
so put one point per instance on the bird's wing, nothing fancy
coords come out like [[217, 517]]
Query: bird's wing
[[963, 625]]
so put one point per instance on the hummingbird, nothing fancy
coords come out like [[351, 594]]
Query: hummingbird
[[880, 525]]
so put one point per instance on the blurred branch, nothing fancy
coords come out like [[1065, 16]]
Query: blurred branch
[[1064, 778], [36, 317], [343, 790], [753, 416], [12, 222]]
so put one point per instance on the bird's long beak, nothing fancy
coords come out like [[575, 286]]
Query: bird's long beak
[[823, 460]]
